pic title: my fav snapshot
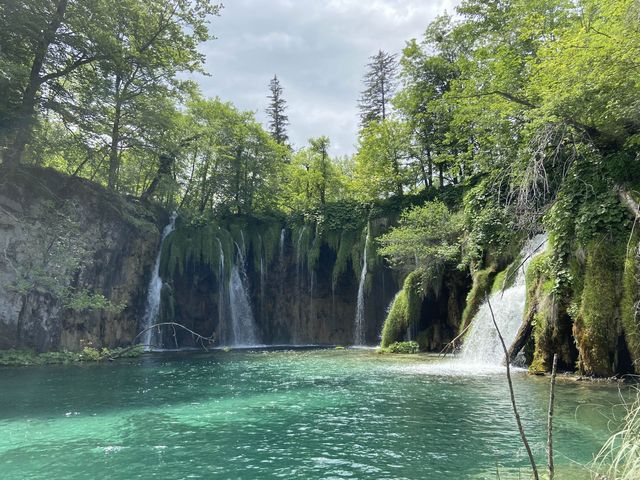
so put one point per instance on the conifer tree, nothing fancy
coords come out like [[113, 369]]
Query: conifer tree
[[278, 119], [380, 85]]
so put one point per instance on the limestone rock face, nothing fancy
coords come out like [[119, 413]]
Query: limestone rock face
[[66, 246]]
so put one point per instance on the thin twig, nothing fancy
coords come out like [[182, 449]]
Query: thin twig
[[552, 394], [511, 392]]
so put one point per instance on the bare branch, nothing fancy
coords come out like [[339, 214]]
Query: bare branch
[[511, 392]]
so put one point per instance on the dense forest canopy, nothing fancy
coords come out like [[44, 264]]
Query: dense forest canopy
[[530, 107]]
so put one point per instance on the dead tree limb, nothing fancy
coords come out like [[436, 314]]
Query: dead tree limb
[[523, 335], [513, 396], [204, 341], [552, 394], [452, 344]]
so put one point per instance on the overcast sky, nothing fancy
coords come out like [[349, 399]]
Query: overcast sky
[[318, 49]]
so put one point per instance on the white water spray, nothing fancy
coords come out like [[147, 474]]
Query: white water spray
[[152, 337], [482, 346]]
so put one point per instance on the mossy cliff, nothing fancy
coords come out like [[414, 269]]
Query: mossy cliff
[[593, 324], [75, 262], [302, 273]]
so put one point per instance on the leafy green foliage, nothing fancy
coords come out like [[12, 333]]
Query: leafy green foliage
[[15, 358], [401, 347], [428, 237]]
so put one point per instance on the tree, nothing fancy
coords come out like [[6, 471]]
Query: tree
[[43, 42], [314, 178], [278, 119], [428, 69], [380, 85], [427, 237], [320, 148], [159, 41], [380, 162], [233, 165]]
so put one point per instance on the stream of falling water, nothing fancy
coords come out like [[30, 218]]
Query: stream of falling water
[[242, 320], [222, 298], [152, 338], [482, 345], [359, 333]]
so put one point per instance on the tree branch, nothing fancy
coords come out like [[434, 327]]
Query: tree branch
[[68, 69], [511, 392]]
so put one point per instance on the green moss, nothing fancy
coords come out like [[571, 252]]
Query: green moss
[[597, 325], [344, 248], [482, 282], [630, 299], [405, 310], [539, 309]]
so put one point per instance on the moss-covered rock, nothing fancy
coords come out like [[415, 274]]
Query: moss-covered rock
[[405, 310], [630, 301], [597, 326], [482, 284]]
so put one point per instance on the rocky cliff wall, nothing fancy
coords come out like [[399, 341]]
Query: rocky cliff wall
[[75, 261]]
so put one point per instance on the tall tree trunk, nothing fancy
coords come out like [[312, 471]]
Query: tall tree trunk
[[441, 174], [26, 113], [114, 148], [164, 169], [396, 172], [430, 160], [384, 101]]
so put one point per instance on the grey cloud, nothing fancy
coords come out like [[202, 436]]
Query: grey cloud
[[318, 49]]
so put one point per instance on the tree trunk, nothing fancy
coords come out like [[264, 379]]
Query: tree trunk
[[26, 112], [523, 335], [430, 161], [441, 174], [114, 154], [166, 162]]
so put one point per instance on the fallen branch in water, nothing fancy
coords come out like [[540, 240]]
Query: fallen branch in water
[[513, 397], [204, 341]]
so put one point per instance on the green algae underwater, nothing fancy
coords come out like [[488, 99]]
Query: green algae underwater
[[303, 413]]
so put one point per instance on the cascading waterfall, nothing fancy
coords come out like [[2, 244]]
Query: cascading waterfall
[[359, 334], [152, 337], [242, 321], [482, 346]]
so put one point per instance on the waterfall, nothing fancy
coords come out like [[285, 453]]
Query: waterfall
[[298, 290], [153, 337], [242, 321], [222, 297], [482, 345], [359, 334], [283, 233]]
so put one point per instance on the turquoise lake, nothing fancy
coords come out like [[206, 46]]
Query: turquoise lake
[[309, 414]]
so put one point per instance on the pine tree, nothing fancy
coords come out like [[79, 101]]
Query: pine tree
[[278, 119], [380, 85]]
